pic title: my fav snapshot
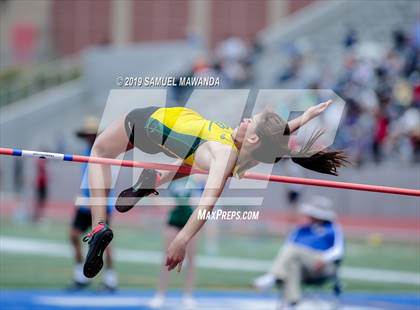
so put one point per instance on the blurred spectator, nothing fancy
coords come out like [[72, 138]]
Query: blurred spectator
[[350, 38], [296, 60], [312, 252], [41, 188], [415, 34], [18, 177], [177, 219], [301, 70], [179, 95], [82, 221], [379, 86], [294, 191], [21, 210], [231, 49], [232, 54], [405, 51], [407, 128], [380, 134]]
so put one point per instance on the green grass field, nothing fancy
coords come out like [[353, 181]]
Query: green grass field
[[44, 271]]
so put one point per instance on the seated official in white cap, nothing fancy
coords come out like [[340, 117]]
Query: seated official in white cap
[[311, 251]]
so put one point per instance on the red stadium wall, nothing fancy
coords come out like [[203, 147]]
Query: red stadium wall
[[159, 20], [239, 18], [295, 5], [78, 24]]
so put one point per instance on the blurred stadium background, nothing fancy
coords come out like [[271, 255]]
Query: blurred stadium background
[[59, 60]]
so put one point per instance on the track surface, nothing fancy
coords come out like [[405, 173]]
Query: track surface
[[130, 299]]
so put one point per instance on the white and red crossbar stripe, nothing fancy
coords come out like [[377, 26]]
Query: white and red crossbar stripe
[[188, 170]]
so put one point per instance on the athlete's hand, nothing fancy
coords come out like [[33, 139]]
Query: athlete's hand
[[316, 110], [175, 254]]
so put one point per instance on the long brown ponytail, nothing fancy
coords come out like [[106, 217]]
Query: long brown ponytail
[[326, 161]]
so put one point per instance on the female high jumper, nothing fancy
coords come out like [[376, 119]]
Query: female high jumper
[[194, 141]]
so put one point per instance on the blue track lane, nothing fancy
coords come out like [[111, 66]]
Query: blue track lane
[[139, 299]]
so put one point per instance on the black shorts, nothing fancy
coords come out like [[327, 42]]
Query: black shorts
[[83, 220], [175, 225], [134, 127]]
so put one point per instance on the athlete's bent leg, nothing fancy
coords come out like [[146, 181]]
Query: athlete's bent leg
[[146, 185], [111, 143]]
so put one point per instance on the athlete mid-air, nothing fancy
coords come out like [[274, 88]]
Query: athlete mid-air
[[184, 134]]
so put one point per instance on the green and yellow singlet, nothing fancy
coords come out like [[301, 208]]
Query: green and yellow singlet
[[180, 131]]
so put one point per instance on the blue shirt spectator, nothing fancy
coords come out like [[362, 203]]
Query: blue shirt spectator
[[324, 236]]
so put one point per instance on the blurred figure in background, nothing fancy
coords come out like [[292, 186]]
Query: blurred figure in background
[[182, 192], [376, 82], [405, 134], [201, 67], [41, 189], [293, 191], [380, 134], [82, 221], [232, 54], [350, 38], [21, 212], [312, 252], [18, 178]]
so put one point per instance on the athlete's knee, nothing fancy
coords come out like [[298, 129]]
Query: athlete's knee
[[100, 149]]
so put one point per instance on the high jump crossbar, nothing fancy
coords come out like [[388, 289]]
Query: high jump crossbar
[[188, 170]]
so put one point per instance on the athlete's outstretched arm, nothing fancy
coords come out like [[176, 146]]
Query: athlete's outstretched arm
[[309, 114], [222, 164]]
